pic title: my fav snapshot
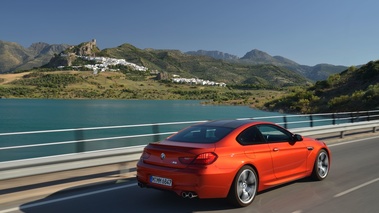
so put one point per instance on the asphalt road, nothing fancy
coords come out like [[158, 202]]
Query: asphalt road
[[352, 186]]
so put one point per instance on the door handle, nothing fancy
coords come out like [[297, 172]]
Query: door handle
[[275, 149]]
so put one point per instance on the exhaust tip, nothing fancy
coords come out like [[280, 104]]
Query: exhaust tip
[[189, 194], [192, 195], [184, 194]]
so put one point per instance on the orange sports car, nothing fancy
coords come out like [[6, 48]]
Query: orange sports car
[[231, 159]]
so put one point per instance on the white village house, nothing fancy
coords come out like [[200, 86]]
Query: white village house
[[103, 63]]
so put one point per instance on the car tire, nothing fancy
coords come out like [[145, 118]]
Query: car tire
[[321, 166], [244, 187]]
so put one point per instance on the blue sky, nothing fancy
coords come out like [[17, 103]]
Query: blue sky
[[307, 32]]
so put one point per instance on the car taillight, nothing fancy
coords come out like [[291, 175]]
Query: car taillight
[[202, 159]]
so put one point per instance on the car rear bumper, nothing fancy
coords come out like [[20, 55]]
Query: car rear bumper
[[204, 182]]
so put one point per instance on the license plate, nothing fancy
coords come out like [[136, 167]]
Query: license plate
[[161, 180]]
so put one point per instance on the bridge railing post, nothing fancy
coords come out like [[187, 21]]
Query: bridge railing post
[[79, 137], [311, 120], [334, 118], [155, 132], [285, 121]]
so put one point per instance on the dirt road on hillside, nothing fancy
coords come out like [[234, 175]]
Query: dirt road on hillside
[[6, 78]]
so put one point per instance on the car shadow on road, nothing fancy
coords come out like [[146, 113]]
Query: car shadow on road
[[128, 197]]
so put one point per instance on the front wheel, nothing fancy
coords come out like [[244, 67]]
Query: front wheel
[[321, 166], [244, 187]]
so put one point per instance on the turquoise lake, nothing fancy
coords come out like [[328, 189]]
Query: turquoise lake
[[23, 115], [30, 114]]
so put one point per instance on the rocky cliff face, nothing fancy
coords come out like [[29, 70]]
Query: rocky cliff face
[[67, 57], [85, 49]]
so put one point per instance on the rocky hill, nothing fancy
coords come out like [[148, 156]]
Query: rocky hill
[[14, 57], [70, 54]]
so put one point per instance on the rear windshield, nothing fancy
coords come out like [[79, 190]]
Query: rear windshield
[[201, 134]]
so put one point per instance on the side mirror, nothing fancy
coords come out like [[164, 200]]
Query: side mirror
[[297, 137]]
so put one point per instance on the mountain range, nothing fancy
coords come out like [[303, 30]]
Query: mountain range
[[201, 63], [14, 57], [256, 57]]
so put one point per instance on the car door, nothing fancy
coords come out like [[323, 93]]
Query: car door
[[257, 149], [288, 157]]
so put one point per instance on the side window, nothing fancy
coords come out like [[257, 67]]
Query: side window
[[274, 134], [250, 136]]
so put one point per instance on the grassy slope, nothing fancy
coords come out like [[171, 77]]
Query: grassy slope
[[352, 90], [116, 85]]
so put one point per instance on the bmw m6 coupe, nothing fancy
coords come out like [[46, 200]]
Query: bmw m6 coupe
[[231, 159]]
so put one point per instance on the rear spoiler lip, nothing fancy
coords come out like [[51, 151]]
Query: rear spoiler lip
[[182, 145]]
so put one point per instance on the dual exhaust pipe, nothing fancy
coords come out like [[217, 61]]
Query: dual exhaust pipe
[[189, 195], [184, 194]]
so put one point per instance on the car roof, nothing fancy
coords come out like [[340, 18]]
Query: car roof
[[228, 123]]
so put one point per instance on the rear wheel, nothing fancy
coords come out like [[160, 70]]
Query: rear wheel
[[321, 166], [244, 187]]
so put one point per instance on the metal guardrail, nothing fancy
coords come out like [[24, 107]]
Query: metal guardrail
[[341, 129], [42, 165], [287, 121]]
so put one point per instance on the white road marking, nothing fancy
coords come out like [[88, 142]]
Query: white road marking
[[359, 186], [356, 188], [66, 198]]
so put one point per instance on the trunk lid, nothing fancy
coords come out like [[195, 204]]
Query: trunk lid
[[168, 153]]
